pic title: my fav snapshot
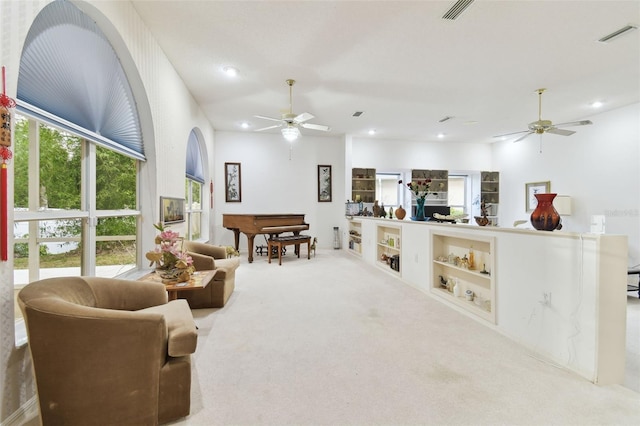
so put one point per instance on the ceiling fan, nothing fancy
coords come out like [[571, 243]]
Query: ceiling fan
[[545, 126], [291, 121]]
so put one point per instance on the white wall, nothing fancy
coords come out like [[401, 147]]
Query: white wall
[[276, 179], [390, 155], [598, 167]]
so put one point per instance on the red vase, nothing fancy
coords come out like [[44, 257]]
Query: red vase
[[545, 217]]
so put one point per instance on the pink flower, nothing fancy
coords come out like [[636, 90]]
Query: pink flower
[[169, 235]]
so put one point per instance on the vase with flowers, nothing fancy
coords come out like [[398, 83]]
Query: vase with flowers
[[173, 264], [419, 188]]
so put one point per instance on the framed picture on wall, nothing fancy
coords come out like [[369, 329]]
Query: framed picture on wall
[[533, 188], [171, 210], [232, 182], [324, 183]]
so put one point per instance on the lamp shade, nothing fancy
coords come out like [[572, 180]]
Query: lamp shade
[[562, 204]]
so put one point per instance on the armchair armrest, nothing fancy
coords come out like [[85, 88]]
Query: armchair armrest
[[181, 328], [202, 262]]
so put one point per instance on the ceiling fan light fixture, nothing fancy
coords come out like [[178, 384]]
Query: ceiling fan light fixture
[[290, 133]]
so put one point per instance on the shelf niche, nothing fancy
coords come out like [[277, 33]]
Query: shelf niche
[[363, 185], [388, 247], [355, 237], [439, 191], [490, 194], [479, 279]]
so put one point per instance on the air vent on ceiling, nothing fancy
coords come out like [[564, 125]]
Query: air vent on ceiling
[[455, 11], [617, 33], [358, 113]]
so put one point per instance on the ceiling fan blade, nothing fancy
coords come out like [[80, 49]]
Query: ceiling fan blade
[[315, 126], [305, 116], [511, 134], [523, 136], [574, 123], [267, 118], [562, 132], [270, 127]]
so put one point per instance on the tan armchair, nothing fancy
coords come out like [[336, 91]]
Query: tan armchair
[[108, 351], [207, 257]]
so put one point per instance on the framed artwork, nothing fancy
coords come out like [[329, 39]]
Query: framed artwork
[[324, 184], [533, 188], [171, 210], [232, 182]]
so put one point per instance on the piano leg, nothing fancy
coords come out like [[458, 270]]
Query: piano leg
[[236, 236], [250, 238]]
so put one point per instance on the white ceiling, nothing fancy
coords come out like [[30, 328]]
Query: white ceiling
[[400, 63]]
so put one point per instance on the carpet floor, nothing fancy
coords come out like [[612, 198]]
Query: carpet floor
[[335, 341]]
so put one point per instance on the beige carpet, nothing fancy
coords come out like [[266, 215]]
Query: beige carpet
[[334, 341]]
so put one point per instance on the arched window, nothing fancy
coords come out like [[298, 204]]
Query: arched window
[[78, 145], [194, 185]]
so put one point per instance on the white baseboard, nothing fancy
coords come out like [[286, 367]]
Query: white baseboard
[[26, 413]]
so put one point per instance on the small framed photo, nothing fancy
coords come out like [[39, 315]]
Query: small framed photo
[[171, 210], [324, 183], [232, 182], [533, 188]]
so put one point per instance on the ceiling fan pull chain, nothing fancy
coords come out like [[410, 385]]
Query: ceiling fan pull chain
[[540, 149]]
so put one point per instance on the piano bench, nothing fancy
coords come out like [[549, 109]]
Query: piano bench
[[280, 242]]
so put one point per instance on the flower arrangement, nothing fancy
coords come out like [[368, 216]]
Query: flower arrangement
[[171, 260], [420, 188]]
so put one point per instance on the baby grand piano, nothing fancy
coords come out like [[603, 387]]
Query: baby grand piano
[[254, 224]]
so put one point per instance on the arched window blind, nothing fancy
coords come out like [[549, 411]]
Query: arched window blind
[[194, 160], [71, 77]]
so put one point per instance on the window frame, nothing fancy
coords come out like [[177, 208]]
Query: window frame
[[88, 213], [190, 211]]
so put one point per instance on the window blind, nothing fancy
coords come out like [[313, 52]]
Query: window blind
[[71, 77], [194, 159]]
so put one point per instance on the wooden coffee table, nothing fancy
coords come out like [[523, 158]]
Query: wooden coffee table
[[198, 280]]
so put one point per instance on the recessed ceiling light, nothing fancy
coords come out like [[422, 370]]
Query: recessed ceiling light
[[244, 125], [596, 104], [440, 135], [372, 131], [230, 71]]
